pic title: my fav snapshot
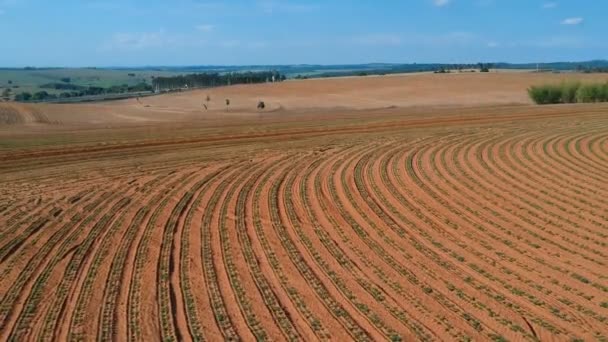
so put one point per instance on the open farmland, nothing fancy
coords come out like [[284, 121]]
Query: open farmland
[[419, 207]]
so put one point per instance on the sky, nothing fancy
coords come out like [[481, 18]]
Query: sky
[[79, 33]]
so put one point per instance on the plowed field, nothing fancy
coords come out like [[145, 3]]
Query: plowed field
[[468, 222]]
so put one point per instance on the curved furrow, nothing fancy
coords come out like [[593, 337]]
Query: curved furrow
[[503, 234], [470, 203], [76, 265], [394, 264], [577, 148], [271, 299], [197, 329], [377, 305], [574, 168], [546, 159], [496, 175], [308, 261], [448, 251], [143, 256], [573, 208], [16, 229], [451, 242], [258, 318], [293, 284], [367, 169], [232, 327], [596, 150], [505, 215], [117, 280], [523, 222], [36, 276], [434, 236], [459, 240], [87, 300], [532, 199], [534, 153], [40, 244], [414, 218], [538, 147], [391, 259], [501, 215], [530, 195], [38, 237], [173, 317], [411, 248]]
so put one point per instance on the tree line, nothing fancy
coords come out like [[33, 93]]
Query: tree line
[[205, 80], [79, 91]]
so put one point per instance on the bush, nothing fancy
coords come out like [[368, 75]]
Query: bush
[[592, 93], [546, 94], [569, 91], [573, 92]]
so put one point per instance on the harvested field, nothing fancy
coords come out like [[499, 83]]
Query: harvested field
[[483, 221]]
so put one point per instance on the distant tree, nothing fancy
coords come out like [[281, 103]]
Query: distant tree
[[10, 82], [6, 93], [66, 80], [131, 75], [261, 105], [25, 96], [40, 96], [484, 67], [227, 102]]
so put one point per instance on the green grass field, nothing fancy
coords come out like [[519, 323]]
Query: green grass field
[[31, 80]]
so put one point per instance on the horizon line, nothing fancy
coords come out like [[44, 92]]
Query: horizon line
[[143, 66]]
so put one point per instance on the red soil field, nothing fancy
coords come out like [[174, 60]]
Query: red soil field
[[352, 209]]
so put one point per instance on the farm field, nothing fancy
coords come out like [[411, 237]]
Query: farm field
[[419, 207]]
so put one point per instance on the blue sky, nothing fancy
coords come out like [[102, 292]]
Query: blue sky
[[200, 32]]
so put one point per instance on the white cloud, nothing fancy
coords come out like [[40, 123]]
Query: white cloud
[[549, 5], [572, 21], [441, 3], [205, 27]]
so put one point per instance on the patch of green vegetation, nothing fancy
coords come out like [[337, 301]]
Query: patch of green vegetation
[[569, 92], [580, 278]]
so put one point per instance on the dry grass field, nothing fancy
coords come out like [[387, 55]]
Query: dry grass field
[[418, 207]]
